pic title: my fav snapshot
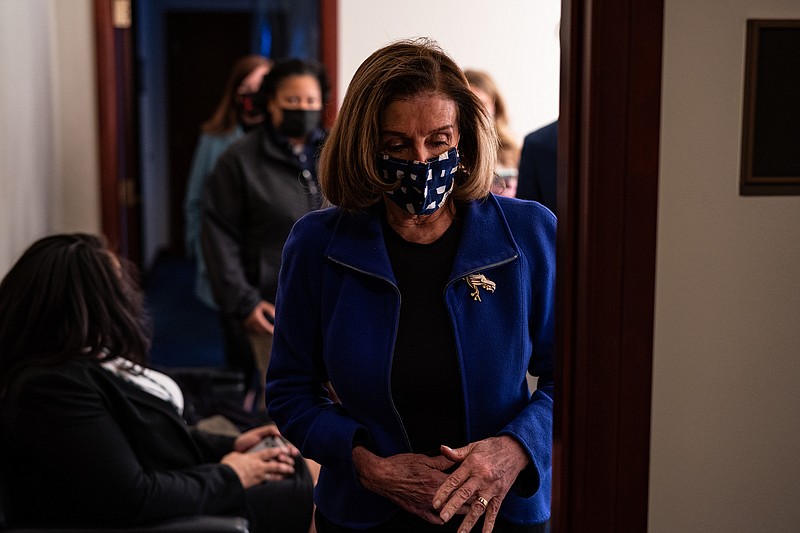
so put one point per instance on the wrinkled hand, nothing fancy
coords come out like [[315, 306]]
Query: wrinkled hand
[[409, 480], [256, 322], [250, 438], [270, 464], [488, 469]]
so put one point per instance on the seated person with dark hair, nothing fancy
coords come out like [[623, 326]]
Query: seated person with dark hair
[[91, 437]]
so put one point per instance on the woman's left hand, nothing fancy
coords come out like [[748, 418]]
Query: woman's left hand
[[486, 472]]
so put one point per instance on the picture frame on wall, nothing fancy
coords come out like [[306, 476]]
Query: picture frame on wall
[[770, 160]]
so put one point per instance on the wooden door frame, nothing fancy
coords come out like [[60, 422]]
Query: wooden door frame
[[607, 209], [119, 180], [329, 53], [107, 120]]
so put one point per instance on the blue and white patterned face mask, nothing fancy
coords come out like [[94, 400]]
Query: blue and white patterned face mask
[[423, 186]]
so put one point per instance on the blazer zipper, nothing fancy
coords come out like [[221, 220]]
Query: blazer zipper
[[476, 270], [394, 341]]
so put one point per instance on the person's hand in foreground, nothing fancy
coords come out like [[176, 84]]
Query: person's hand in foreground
[[409, 480], [487, 470]]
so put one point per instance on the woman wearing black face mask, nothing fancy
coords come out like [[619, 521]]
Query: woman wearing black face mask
[[260, 187], [234, 116]]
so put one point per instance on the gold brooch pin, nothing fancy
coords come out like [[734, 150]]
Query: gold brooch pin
[[476, 281]]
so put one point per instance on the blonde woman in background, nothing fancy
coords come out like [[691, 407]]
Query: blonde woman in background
[[508, 152]]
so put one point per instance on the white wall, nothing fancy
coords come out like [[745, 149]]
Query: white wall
[[725, 452], [76, 123], [48, 140], [515, 41]]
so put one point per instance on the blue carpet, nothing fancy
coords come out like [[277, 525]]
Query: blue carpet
[[186, 332]]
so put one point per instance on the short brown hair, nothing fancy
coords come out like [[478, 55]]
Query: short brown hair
[[347, 171]]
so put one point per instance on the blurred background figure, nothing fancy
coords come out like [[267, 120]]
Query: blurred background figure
[[485, 88], [239, 110], [537, 166], [259, 188]]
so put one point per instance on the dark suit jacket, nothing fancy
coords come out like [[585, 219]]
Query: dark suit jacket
[[537, 166], [82, 446]]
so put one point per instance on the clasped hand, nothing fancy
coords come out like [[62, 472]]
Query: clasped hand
[[419, 484]]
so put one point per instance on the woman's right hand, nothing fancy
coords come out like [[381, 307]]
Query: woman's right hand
[[257, 322], [409, 480], [269, 464]]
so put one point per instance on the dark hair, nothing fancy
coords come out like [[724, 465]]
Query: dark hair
[[294, 67], [402, 70], [226, 115], [69, 297]]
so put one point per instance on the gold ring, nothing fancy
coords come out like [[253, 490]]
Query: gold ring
[[483, 501]]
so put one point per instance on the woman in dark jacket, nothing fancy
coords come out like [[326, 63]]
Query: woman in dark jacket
[[90, 437], [260, 187]]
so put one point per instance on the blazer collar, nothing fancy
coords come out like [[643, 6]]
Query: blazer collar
[[486, 240]]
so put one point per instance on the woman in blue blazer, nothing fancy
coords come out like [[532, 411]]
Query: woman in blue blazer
[[90, 437], [409, 315]]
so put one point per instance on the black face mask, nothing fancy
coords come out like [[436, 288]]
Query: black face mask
[[299, 122]]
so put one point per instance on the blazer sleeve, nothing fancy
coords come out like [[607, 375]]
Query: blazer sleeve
[[79, 460], [296, 398], [533, 427]]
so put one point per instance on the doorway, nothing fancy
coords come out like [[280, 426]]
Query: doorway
[[186, 45], [200, 47]]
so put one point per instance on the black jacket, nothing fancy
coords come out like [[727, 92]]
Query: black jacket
[[81, 446], [258, 190], [537, 166]]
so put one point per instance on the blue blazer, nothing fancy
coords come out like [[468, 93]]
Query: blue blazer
[[337, 314]]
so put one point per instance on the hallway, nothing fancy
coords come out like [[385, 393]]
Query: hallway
[[186, 332]]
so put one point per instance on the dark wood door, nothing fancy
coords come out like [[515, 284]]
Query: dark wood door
[[607, 214], [201, 48]]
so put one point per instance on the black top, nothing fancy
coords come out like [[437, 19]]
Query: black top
[[426, 382], [537, 166]]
